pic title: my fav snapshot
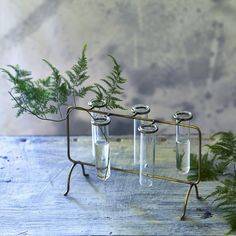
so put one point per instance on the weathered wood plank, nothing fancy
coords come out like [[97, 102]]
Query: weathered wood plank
[[33, 174]]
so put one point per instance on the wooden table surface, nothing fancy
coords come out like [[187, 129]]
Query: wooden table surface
[[33, 175]]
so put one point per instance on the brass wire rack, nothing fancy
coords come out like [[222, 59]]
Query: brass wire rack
[[153, 121]]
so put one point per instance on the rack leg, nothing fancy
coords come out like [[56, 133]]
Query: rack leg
[[68, 179], [197, 193], [83, 169], [186, 201]]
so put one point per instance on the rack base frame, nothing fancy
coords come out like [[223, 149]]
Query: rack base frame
[[83, 164]]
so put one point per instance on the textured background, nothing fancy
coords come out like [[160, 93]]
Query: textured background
[[177, 54]]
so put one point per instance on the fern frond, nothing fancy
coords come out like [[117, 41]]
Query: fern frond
[[225, 199], [101, 89], [78, 75], [218, 163], [208, 170], [107, 82], [83, 91], [113, 83], [49, 95]]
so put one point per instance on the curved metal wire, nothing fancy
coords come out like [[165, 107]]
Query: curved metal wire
[[153, 121]]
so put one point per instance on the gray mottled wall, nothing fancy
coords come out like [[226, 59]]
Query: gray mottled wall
[[175, 54]]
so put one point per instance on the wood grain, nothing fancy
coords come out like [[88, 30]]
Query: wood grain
[[33, 175]]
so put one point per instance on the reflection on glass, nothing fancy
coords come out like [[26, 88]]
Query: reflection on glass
[[101, 144], [99, 106], [147, 153], [142, 112], [182, 141]]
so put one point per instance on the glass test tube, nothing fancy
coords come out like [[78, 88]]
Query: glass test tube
[[147, 153], [182, 141], [142, 111], [100, 106], [101, 139]]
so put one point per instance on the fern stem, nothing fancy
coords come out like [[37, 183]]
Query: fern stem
[[74, 96], [59, 109], [34, 114]]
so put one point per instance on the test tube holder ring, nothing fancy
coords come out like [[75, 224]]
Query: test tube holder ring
[[153, 121]]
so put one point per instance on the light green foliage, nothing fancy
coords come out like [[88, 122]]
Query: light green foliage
[[77, 76], [113, 83], [219, 164], [57, 88], [51, 94], [29, 95], [220, 158], [225, 148], [208, 168], [225, 200]]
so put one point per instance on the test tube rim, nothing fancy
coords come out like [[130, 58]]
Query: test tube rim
[[101, 121], [97, 104], [179, 115], [142, 129], [135, 108]]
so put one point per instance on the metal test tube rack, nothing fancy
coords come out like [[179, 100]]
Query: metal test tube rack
[[153, 121]]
